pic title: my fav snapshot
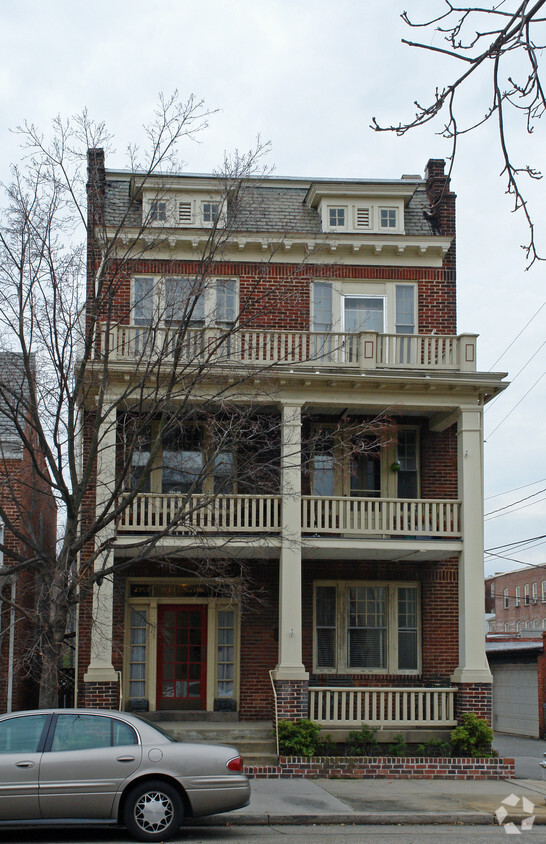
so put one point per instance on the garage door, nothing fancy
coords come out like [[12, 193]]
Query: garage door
[[515, 699]]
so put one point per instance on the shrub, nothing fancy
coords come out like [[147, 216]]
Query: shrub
[[302, 738], [434, 747], [473, 737], [362, 742], [399, 746]]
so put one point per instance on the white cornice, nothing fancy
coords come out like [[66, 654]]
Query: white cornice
[[402, 189]]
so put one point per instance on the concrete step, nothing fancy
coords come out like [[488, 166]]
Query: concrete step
[[189, 715], [253, 739]]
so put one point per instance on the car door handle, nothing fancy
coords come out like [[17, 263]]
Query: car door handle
[[126, 758], [24, 764]]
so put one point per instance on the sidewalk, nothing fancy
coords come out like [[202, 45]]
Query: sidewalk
[[384, 801]]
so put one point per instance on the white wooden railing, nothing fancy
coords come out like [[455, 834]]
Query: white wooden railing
[[382, 707], [223, 513], [362, 351], [150, 512], [391, 516]]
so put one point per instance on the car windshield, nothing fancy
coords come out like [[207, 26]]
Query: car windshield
[[155, 727]]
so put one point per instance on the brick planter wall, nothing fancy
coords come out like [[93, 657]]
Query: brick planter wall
[[393, 767]]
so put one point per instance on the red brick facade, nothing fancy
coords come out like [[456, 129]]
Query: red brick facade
[[518, 600]]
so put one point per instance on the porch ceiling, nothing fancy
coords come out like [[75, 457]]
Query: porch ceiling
[[312, 548]]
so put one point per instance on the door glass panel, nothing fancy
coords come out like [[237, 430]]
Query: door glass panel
[[21, 735], [366, 469], [407, 457]]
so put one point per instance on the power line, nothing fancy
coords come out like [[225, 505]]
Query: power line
[[515, 489], [507, 506], [518, 335], [517, 374], [516, 405], [519, 542], [513, 560]]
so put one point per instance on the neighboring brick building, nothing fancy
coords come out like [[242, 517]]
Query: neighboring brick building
[[27, 501], [367, 555], [518, 600]]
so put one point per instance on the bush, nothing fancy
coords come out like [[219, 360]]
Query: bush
[[302, 738], [362, 742], [434, 748], [399, 746], [473, 737]]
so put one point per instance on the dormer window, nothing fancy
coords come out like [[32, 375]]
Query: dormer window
[[211, 212], [158, 212], [387, 218], [336, 217]]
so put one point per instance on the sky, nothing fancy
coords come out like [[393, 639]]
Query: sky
[[308, 76]]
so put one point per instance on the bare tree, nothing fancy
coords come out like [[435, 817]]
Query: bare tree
[[110, 387], [505, 40]]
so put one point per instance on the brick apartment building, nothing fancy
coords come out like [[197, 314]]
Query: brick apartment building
[[518, 601], [29, 506], [365, 547]]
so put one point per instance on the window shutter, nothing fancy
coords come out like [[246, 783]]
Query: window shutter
[[184, 212]]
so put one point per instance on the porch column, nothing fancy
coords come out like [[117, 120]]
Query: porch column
[[473, 667], [290, 666], [100, 670]]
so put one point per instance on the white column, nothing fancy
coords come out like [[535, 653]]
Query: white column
[[100, 668], [290, 665], [473, 667]]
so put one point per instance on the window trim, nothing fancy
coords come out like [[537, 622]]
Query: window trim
[[158, 295], [341, 638], [517, 600], [526, 595], [335, 227], [506, 598]]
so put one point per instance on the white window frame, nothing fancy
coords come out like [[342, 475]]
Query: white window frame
[[534, 592], [526, 595], [346, 296], [158, 309], [517, 601], [543, 592], [334, 226], [342, 667], [506, 599], [363, 289], [388, 209]]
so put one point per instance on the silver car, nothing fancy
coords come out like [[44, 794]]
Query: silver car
[[93, 766]]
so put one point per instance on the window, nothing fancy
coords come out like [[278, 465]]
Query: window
[[517, 602], [506, 600], [387, 218], [407, 476], [506, 627], [323, 464], [183, 461], [158, 212], [544, 623], [492, 589], [21, 734], [82, 732], [366, 468], [174, 300], [137, 654], [519, 625], [210, 212], [366, 628], [405, 309], [226, 654], [143, 300], [363, 313], [184, 301], [543, 591], [534, 592], [526, 595], [336, 217]]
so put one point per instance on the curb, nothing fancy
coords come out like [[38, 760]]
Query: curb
[[356, 819], [359, 819]]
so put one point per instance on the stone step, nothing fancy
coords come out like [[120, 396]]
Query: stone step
[[189, 715], [225, 733]]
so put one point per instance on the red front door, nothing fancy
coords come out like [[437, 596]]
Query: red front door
[[182, 657]]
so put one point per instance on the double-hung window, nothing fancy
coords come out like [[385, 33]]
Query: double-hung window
[[526, 599], [408, 475], [367, 628], [517, 601], [506, 599]]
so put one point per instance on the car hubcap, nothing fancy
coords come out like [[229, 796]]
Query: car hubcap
[[154, 811]]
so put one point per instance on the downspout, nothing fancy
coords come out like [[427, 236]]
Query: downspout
[[11, 652]]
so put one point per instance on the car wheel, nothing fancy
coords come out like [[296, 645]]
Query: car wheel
[[153, 811]]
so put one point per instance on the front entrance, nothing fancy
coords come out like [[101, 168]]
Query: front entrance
[[182, 657]]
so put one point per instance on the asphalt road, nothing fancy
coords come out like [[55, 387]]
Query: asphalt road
[[527, 752]]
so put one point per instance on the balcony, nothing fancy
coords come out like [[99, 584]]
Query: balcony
[[382, 707], [362, 351], [320, 516]]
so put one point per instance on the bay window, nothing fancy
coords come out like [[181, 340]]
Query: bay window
[[366, 628]]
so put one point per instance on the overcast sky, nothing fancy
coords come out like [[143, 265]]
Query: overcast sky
[[308, 75]]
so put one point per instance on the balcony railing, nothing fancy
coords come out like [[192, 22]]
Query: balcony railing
[[248, 514], [364, 350], [149, 513], [391, 516], [382, 707]]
